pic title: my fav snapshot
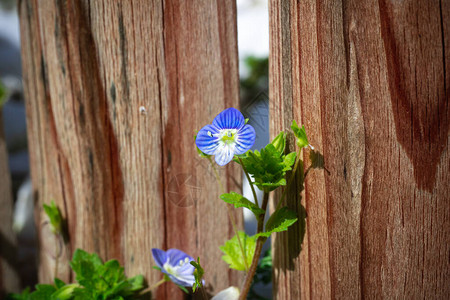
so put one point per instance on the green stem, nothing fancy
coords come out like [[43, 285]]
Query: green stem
[[56, 255], [154, 286], [230, 212], [291, 179], [249, 181], [259, 244]]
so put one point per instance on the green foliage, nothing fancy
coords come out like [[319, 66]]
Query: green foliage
[[103, 281], [198, 274], [279, 221], [25, 295], [240, 201], [300, 134], [96, 280], [257, 79], [279, 142], [233, 254], [269, 165], [2, 94], [54, 215]]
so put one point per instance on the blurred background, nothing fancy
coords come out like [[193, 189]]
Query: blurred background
[[253, 44]]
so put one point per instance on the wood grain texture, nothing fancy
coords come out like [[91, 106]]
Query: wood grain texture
[[9, 279], [369, 80], [129, 181]]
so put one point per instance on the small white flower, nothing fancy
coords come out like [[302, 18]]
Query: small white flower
[[231, 293]]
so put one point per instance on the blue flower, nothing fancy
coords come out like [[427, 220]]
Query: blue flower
[[226, 136], [176, 265]]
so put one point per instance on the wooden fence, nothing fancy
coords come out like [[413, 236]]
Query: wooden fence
[[368, 79]]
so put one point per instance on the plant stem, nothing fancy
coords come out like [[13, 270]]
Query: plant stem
[[259, 244], [249, 181], [291, 179], [230, 213], [153, 286], [56, 255]]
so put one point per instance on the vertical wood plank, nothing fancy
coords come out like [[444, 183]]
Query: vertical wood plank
[[129, 181], [9, 279], [369, 79]]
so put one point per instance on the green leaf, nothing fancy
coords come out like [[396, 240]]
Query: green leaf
[[59, 283], [289, 160], [2, 100], [25, 295], [233, 254], [269, 166], [240, 201], [65, 292], [102, 281], [54, 215], [279, 142], [43, 292], [279, 221], [183, 288], [198, 274], [300, 134], [136, 283]]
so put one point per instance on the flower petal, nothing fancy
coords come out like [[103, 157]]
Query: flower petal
[[224, 154], [231, 293], [176, 255], [245, 138], [186, 269], [207, 139], [186, 281], [159, 256], [229, 118]]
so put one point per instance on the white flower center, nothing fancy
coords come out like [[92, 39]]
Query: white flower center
[[174, 269], [228, 136]]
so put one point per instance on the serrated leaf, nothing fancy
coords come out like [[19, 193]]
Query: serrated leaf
[[268, 166], [65, 292], [289, 160], [136, 283], [300, 134], [279, 221], [43, 292], [59, 283], [233, 254], [279, 142], [240, 201], [54, 216]]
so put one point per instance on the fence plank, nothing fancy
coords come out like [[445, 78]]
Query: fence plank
[[128, 180], [369, 79], [9, 280]]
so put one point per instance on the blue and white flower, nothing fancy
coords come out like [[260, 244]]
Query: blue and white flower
[[226, 136], [176, 265]]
